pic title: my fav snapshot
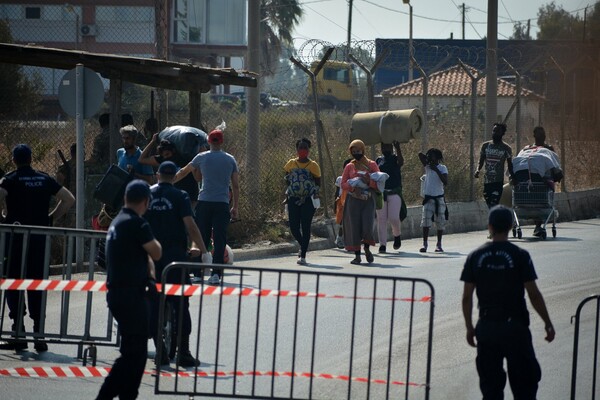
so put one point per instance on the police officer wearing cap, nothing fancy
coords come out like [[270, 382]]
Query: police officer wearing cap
[[500, 273], [170, 217], [25, 200], [131, 249]]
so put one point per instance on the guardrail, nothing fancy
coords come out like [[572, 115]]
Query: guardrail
[[302, 334], [30, 252], [593, 329]]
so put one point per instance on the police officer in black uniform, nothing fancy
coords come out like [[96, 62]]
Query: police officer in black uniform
[[25, 195], [501, 272], [130, 251], [171, 218]]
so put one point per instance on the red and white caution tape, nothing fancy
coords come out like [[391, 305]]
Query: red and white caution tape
[[100, 372], [178, 290]]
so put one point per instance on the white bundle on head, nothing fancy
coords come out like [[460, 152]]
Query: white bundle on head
[[221, 127]]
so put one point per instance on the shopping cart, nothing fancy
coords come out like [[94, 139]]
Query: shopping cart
[[533, 201]]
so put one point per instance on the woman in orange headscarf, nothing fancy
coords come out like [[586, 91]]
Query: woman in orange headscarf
[[359, 209]]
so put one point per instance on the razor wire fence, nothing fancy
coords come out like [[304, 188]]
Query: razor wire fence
[[562, 78]]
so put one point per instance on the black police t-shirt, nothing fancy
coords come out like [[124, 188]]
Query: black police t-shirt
[[165, 214], [126, 259], [499, 270], [188, 183], [29, 194]]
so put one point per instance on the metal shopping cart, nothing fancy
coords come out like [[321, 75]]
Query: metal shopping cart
[[533, 201]]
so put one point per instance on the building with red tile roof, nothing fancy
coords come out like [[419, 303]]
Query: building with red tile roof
[[450, 90]]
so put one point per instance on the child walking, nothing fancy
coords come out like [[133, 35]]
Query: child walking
[[434, 203]]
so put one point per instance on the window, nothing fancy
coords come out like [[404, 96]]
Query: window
[[188, 21], [33, 12], [209, 21], [333, 74]]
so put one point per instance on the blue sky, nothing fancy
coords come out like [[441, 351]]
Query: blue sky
[[432, 19]]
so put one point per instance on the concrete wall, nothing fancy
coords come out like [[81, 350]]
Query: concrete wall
[[472, 216]]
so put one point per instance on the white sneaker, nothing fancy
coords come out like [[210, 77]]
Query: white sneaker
[[301, 261], [214, 280], [339, 242], [196, 279]]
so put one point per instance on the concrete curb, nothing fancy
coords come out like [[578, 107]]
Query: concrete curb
[[463, 217], [279, 249]]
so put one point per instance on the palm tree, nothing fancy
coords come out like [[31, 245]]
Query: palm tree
[[278, 19]]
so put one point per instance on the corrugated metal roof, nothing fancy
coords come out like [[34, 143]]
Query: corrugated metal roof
[[453, 82]]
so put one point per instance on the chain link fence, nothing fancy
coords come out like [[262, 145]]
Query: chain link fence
[[563, 77]]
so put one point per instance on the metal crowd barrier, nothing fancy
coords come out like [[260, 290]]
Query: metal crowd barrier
[[69, 254], [268, 333], [588, 325]]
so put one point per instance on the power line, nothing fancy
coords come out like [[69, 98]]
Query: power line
[[328, 19], [506, 9], [366, 20]]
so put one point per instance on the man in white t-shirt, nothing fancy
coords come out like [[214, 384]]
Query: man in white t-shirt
[[434, 203]]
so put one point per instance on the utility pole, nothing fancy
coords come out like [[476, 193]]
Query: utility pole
[[528, 29], [349, 41], [584, 22], [253, 95], [463, 21], [491, 82], [410, 47]]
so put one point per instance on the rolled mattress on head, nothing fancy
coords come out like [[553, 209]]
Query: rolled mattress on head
[[186, 139], [386, 126]]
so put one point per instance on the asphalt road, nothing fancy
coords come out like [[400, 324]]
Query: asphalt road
[[568, 269]]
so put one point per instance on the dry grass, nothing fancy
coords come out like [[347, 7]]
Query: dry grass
[[260, 203]]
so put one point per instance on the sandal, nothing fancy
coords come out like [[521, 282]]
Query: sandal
[[356, 261]]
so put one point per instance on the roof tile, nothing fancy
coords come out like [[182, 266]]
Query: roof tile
[[453, 82]]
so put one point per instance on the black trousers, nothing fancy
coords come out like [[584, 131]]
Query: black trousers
[[212, 217], [492, 192], [34, 269], [129, 307], [510, 340], [300, 218], [179, 276]]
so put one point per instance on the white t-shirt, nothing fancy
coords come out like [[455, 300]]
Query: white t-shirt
[[433, 184]]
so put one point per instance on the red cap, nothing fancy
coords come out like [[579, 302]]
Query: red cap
[[215, 136]]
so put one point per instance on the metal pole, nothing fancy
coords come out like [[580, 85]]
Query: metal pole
[[318, 124], [79, 129], [563, 150], [474, 80], [518, 103], [349, 39], [253, 97], [77, 29], [370, 92], [424, 139], [410, 44], [463, 21]]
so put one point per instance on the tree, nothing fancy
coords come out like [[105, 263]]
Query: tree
[[520, 32], [555, 24], [19, 96], [592, 28], [278, 19]]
